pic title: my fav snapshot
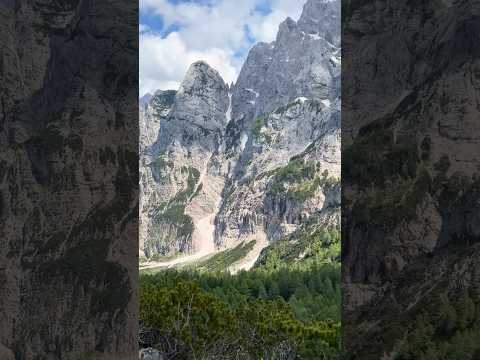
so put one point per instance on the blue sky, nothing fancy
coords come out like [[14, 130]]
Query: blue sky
[[176, 33]]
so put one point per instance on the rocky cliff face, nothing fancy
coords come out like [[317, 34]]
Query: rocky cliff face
[[253, 161], [410, 174], [184, 168], [68, 180]]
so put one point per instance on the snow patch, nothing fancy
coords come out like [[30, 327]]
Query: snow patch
[[301, 99], [243, 141], [326, 102], [253, 92], [335, 60], [229, 110]]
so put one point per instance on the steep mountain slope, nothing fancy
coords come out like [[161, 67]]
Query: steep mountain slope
[[254, 161], [68, 180], [185, 166], [410, 180]]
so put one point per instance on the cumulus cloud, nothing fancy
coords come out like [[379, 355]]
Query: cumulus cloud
[[265, 27], [164, 62], [218, 31]]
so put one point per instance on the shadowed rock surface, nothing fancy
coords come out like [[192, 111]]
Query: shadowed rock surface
[[411, 131], [68, 180]]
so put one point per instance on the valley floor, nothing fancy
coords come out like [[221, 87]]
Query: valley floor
[[201, 258], [185, 260]]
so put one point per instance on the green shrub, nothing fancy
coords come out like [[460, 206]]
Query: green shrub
[[223, 260], [257, 125], [251, 315]]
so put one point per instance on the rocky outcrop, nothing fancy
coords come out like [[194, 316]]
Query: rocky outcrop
[[150, 354], [302, 62], [281, 182], [184, 170], [153, 109], [285, 108], [251, 161], [410, 173], [68, 180]]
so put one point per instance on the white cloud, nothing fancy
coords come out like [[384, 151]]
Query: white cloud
[[213, 33], [164, 62], [265, 29]]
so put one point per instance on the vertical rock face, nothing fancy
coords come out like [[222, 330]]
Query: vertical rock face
[[251, 162], [184, 172], [68, 180], [285, 107], [410, 174], [302, 62], [153, 108]]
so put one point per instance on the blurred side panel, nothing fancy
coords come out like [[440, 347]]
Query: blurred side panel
[[68, 179], [411, 184]]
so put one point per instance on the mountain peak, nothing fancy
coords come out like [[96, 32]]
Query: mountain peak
[[200, 68], [145, 99], [201, 76], [201, 65], [322, 17], [202, 98]]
